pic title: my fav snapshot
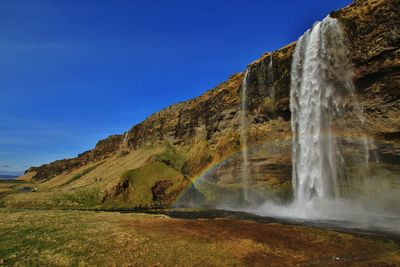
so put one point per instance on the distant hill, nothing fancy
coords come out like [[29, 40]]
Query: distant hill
[[8, 177]]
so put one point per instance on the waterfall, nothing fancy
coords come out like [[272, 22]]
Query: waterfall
[[332, 183], [321, 91], [271, 80], [243, 126], [270, 73], [330, 145]]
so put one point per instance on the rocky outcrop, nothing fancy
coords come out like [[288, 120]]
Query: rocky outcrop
[[121, 188], [200, 118], [159, 190], [208, 126], [373, 30]]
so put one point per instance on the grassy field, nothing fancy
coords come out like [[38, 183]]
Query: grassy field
[[79, 238], [57, 225], [8, 187]]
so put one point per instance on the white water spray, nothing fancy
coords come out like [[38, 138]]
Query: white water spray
[[271, 80], [321, 88], [322, 92], [245, 152], [327, 167], [125, 137]]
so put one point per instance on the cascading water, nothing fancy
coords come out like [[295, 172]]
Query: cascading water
[[271, 79], [321, 98], [321, 90], [331, 178], [125, 137], [270, 73], [245, 152]]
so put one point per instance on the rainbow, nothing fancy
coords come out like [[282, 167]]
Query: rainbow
[[211, 168]]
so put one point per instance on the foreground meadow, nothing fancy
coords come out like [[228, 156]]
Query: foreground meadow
[[72, 237]]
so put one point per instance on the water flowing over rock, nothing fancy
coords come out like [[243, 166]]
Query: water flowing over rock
[[245, 152], [272, 89], [331, 146], [321, 92]]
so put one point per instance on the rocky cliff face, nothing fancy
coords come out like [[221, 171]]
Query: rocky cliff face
[[207, 127], [373, 32], [200, 118], [373, 29]]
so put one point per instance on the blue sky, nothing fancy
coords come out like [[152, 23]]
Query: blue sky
[[74, 72]]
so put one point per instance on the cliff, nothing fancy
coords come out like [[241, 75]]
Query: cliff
[[198, 133]]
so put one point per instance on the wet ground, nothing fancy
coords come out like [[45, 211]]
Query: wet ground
[[338, 225]]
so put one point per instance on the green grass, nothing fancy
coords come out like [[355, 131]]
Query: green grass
[[72, 238], [165, 166], [8, 187], [143, 179], [81, 174], [89, 238], [172, 158], [80, 198]]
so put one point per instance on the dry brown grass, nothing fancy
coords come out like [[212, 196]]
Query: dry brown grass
[[65, 238]]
